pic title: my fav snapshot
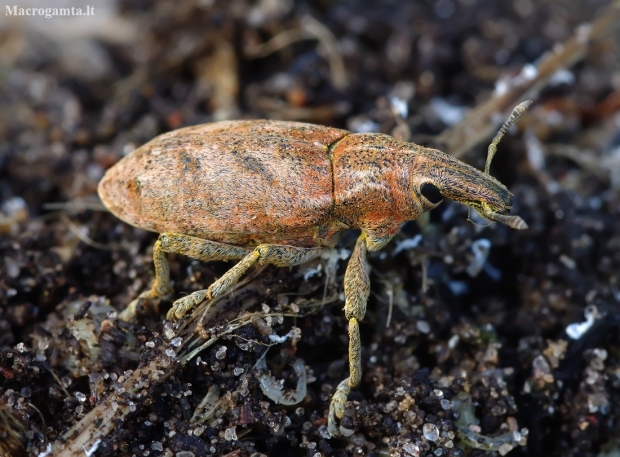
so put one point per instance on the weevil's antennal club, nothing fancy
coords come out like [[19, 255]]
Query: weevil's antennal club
[[514, 117], [514, 222]]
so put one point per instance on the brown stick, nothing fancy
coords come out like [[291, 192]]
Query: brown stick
[[481, 122], [84, 437]]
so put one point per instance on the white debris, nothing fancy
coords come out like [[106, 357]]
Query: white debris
[[399, 107], [274, 338], [411, 449], [501, 86], [310, 272], [458, 287], [481, 249], [447, 113], [529, 72], [611, 162], [407, 244], [274, 389], [568, 262], [423, 327], [47, 451], [576, 330], [583, 33], [361, 124], [91, 451], [562, 76], [230, 434], [534, 148]]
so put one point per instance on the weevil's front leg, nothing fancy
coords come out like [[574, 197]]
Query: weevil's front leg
[[279, 255], [356, 290], [193, 247]]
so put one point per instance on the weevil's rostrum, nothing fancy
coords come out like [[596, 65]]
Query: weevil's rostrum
[[280, 192]]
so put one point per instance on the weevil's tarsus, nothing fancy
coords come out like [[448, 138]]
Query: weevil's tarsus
[[337, 405], [514, 117]]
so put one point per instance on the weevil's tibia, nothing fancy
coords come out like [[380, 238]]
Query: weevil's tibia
[[356, 291], [514, 117]]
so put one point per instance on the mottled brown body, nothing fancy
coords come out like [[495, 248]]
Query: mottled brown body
[[281, 192], [252, 182], [243, 183]]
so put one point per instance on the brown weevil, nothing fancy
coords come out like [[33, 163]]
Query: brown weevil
[[280, 193]]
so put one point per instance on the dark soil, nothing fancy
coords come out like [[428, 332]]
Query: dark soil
[[494, 327]]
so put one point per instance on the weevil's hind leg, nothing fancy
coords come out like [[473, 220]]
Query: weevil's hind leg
[[356, 291], [279, 255], [193, 247]]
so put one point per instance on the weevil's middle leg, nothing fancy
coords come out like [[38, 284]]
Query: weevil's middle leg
[[191, 246], [356, 291], [279, 255]]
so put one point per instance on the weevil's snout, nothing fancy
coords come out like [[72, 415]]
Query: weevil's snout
[[441, 176]]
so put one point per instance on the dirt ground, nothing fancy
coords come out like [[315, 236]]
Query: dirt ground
[[522, 324]]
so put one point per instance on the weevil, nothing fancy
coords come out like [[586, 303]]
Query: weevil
[[280, 192]]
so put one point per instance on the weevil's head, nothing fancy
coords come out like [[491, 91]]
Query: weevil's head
[[437, 175]]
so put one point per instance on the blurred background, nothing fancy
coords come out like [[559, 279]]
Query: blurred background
[[77, 93]]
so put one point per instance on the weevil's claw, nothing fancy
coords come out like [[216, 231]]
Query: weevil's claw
[[336, 407], [182, 306], [130, 311], [135, 307]]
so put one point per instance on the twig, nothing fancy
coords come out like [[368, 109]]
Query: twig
[[111, 411], [310, 29], [80, 235], [481, 122], [76, 205]]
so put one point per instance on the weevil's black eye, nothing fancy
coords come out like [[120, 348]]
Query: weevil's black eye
[[431, 193]]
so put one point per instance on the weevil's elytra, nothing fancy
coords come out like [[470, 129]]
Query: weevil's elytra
[[281, 192], [208, 185]]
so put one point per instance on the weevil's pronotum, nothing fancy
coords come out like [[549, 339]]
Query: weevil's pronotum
[[281, 192]]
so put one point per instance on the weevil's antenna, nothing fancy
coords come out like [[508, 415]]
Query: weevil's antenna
[[514, 117]]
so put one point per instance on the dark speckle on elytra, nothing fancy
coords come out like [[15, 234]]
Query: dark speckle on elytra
[[252, 163]]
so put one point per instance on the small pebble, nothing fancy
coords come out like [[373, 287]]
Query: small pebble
[[431, 432], [230, 434], [176, 342]]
